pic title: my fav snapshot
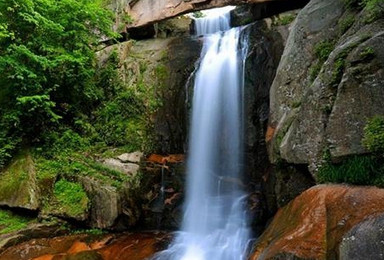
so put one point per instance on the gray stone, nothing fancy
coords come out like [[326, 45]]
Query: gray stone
[[105, 203], [364, 241], [329, 113], [128, 168], [130, 157]]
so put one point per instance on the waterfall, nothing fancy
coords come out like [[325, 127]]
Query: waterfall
[[215, 225]]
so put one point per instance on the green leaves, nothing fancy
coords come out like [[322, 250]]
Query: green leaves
[[374, 135], [47, 60]]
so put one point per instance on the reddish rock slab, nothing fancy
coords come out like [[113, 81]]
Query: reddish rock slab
[[132, 246], [312, 225], [160, 159]]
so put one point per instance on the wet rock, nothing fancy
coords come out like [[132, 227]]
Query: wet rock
[[31, 232], [364, 241], [134, 157], [18, 185], [313, 224], [87, 247]]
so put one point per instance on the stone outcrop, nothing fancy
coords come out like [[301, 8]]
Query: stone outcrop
[[313, 111], [105, 203], [18, 184], [162, 67], [313, 225], [145, 12]]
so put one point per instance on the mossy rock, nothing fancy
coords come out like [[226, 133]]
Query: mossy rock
[[18, 186], [68, 200]]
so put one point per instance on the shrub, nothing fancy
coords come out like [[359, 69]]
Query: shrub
[[373, 138], [359, 170]]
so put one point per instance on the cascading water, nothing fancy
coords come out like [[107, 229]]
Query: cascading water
[[215, 223]]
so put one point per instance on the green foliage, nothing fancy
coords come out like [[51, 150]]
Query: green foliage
[[359, 170], [374, 135], [47, 60], [284, 19], [10, 222], [346, 23], [367, 54], [374, 8], [322, 51], [71, 197], [198, 14]]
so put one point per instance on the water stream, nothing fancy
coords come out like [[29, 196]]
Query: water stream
[[215, 225]]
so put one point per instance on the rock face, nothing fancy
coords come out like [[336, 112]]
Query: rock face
[[314, 110], [313, 225], [364, 241], [18, 186], [163, 67], [145, 12]]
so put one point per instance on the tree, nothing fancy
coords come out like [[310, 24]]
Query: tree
[[47, 64]]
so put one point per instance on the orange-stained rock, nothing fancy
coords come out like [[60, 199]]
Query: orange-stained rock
[[270, 133], [172, 158], [134, 246], [312, 225], [77, 247]]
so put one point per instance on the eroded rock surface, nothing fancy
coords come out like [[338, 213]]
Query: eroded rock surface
[[313, 225]]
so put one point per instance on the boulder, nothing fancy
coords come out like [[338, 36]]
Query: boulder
[[313, 225], [18, 185], [127, 168], [134, 157], [364, 241], [105, 203]]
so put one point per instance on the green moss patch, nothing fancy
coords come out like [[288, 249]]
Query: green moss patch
[[70, 198], [10, 222], [15, 180]]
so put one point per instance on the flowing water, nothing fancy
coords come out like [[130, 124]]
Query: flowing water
[[215, 225]]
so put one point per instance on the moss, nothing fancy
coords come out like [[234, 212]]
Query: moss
[[346, 23], [367, 54], [322, 51], [315, 70], [71, 198], [15, 176], [10, 222], [373, 138]]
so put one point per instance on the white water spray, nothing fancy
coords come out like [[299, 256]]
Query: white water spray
[[215, 223]]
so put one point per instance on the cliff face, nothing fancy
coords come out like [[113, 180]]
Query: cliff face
[[322, 103]]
